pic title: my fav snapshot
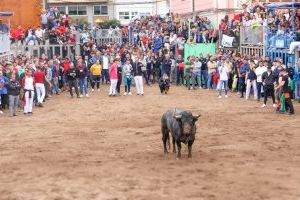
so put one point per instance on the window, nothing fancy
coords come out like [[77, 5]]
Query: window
[[82, 10], [73, 10], [77, 10], [133, 14], [100, 10], [61, 9], [124, 15]]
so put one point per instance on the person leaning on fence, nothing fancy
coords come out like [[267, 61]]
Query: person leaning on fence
[[296, 43]]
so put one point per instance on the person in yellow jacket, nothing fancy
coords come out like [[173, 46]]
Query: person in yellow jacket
[[96, 70]]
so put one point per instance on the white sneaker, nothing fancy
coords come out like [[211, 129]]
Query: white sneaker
[[220, 97], [1, 112], [125, 93], [93, 90], [264, 105], [274, 105], [226, 96], [129, 93], [81, 96], [87, 95]]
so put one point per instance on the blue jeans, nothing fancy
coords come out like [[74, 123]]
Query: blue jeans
[[196, 77], [210, 80], [54, 83], [83, 84], [297, 90], [105, 76], [203, 78], [223, 84], [259, 86]]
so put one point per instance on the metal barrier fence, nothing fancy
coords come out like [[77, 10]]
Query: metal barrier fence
[[253, 50], [252, 36], [68, 50], [107, 35]]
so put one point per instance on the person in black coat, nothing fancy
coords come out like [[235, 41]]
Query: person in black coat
[[13, 92], [72, 76], [268, 79]]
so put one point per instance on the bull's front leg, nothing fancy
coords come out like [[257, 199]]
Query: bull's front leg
[[178, 149], [165, 136], [173, 141], [190, 144]]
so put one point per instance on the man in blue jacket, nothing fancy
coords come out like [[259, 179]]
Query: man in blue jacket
[[157, 44], [242, 76]]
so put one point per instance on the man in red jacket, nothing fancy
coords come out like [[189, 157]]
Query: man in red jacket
[[39, 77]]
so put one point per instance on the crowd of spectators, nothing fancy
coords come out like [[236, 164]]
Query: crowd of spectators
[[152, 53], [55, 27]]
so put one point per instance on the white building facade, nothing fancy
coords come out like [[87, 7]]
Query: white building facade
[[126, 10]]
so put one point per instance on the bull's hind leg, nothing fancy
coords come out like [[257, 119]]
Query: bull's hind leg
[[165, 136], [173, 142], [190, 144]]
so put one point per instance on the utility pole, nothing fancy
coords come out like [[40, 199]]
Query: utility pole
[[193, 6]]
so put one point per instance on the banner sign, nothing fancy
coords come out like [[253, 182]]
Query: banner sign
[[197, 49], [227, 41], [4, 43]]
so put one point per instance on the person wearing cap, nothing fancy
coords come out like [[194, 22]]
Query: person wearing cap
[[284, 84], [268, 79]]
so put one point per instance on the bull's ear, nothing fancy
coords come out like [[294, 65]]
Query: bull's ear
[[196, 117], [177, 117]]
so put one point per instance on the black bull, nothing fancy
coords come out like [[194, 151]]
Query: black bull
[[182, 126]]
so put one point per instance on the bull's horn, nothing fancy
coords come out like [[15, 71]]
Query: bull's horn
[[196, 117], [177, 116]]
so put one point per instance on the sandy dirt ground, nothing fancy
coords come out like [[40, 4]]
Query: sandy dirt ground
[[111, 148]]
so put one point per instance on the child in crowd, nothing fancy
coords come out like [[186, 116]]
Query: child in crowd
[[127, 77]]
